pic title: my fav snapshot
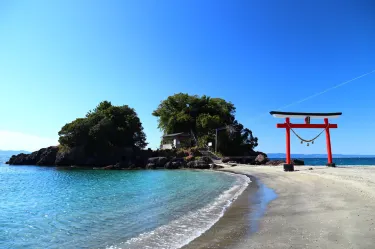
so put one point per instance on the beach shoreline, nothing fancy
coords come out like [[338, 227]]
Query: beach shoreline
[[317, 207], [239, 220]]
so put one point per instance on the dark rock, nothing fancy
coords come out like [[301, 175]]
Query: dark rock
[[199, 164], [174, 165], [158, 162], [30, 159], [125, 165], [73, 156], [151, 166], [261, 159], [275, 162], [48, 156], [240, 159], [206, 159], [78, 156], [298, 162], [279, 162], [215, 166]]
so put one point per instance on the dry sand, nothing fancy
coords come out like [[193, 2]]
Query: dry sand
[[319, 208]]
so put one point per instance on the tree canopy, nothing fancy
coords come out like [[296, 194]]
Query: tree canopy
[[202, 115], [104, 128]]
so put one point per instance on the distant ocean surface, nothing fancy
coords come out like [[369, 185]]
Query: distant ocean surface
[[337, 161], [43, 207]]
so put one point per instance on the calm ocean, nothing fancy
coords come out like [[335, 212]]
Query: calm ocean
[[338, 161], [46, 207]]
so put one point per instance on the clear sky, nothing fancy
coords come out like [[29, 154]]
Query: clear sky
[[59, 59]]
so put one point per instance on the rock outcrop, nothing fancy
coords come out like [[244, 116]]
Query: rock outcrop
[[126, 158], [45, 157], [156, 162]]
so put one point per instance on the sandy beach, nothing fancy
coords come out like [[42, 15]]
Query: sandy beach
[[319, 208]]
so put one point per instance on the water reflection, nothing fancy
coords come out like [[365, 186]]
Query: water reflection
[[259, 201]]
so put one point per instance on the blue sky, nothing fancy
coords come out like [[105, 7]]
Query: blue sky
[[59, 59]]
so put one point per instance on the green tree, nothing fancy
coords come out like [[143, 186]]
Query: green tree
[[104, 128], [202, 115]]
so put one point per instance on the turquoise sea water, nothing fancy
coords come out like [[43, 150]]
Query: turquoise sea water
[[42, 207]]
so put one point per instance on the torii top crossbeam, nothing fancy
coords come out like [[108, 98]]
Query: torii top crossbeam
[[307, 116]]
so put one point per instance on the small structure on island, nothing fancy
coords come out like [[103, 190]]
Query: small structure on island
[[176, 140], [288, 126]]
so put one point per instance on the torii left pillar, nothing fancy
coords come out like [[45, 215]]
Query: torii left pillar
[[288, 166]]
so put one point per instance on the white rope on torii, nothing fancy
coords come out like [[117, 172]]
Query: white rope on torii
[[305, 140]]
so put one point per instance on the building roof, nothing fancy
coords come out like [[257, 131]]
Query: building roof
[[180, 134], [305, 114]]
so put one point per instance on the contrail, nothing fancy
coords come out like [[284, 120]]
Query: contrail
[[317, 94], [327, 90]]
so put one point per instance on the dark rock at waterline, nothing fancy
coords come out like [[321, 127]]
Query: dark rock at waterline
[[198, 165], [275, 162], [240, 159], [151, 166], [124, 165], [78, 156], [280, 162], [45, 156], [156, 162], [174, 165], [202, 163], [298, 162], [57, 156], [73, 156]]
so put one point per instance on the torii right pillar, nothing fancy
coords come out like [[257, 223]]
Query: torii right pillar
[[328, 141]]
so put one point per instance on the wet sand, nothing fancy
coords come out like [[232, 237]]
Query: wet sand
[[319, 208]]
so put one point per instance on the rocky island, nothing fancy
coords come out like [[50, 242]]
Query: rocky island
[[112, 137]]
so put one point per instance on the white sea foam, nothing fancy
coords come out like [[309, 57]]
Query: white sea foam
[[190, 226]]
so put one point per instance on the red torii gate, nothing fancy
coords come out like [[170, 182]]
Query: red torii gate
[[289, 126]]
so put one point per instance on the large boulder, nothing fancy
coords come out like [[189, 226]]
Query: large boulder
[[202, 163], [298, 162], [156, 162], [151, 166], [261, 159], [174, 165]]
